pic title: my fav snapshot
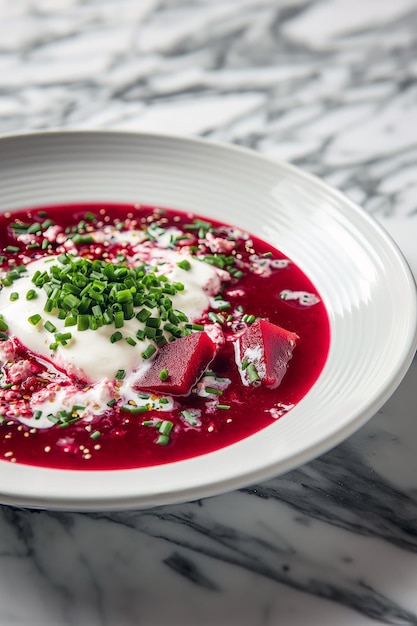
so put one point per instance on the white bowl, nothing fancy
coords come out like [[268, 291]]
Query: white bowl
[[365, 283]]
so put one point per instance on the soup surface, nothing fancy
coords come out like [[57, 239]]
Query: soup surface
[[133, 336]]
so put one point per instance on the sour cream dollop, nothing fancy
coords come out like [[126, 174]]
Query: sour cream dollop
[[89, 354]]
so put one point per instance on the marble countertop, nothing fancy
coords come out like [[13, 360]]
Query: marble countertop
[[329, 85]]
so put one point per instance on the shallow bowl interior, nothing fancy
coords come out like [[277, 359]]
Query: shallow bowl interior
[[366, 285]]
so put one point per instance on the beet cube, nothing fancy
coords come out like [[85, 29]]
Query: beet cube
[[263, 352], [185, 360]]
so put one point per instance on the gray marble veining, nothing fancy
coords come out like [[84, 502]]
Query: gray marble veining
[[331, 86]]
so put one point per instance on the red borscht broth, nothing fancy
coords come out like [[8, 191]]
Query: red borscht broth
[[132, 336]]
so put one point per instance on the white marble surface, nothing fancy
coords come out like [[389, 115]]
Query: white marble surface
[[331, 86]]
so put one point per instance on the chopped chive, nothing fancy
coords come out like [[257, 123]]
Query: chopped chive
[[184, 264], [3, 324], [163, 374], [130, 408], [111, 402], [34, 228], [120, 374], [245, 364], [215, 318], [165, 427], [163, 440], [49, 327], [189, 417], [70, 320], [143, 315], [147, 423], [130, 341], [252, 373], [82, 239], [153, 322], [31, 294], [61, 337], [118, 319], [117, 336], [14, 296], [83, 322], [95, 435], [12, 249], [195, 326], [34, 319], [37, 415], [213, 390], [223, 407], [3, 336], [149, 352]]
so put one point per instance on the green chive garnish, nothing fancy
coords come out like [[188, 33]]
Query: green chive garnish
[[3, 324], [49, 326], [31, 294], [34, 319], [165, 427], [184, 264], [189, 417], [163, 374], [213, 390], [252, 373], [131, 408], [149, 352]]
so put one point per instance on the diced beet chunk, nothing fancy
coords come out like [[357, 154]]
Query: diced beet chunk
[[185, 360], [263, 352]]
